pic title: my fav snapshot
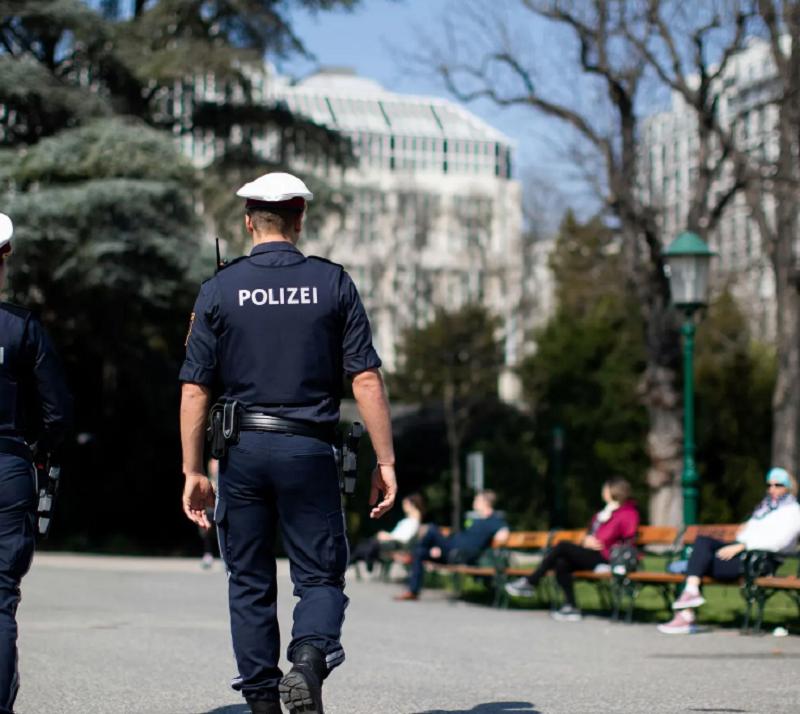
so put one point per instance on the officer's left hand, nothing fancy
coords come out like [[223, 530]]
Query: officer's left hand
[[383, 481], [198, 493]]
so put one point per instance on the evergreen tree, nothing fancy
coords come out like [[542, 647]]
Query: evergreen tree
[[110, 251], [735, 378]]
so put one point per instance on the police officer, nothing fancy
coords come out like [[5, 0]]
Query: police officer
[[280, 329], [32, 389]]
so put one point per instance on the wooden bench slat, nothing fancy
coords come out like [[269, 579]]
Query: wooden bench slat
[[528, 539], [656, 535], [724, 532], [790, 582]]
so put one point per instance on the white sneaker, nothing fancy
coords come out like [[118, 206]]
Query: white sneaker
[[688, 601], [681, 624], [521, 587], [567, 613]]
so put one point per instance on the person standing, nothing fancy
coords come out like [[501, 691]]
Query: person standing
[[34, 399], [281, 329]]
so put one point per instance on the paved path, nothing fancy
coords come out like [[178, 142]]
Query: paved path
[[140, 636]]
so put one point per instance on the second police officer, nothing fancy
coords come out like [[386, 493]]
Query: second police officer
[[35, 405], [280, 330]]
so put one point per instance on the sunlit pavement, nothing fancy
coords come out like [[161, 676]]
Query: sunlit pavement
[[150, 636]]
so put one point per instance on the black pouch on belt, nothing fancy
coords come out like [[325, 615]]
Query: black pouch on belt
[[223, 427]]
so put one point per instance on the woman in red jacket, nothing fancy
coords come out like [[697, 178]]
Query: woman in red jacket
[[616, 524]]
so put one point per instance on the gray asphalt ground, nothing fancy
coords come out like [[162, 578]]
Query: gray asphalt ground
[[131, 636]]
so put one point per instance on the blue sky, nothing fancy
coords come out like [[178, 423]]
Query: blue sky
[[367, 40]]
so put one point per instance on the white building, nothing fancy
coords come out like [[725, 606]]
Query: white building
[[669, 162], [435, 218]]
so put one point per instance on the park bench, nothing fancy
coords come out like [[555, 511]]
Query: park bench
[[632, 583], [490, 566], [609, 583], [760, 584]]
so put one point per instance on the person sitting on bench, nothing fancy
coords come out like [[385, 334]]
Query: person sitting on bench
[[774, 527], [616, 524], [403, 533], [437, 547]]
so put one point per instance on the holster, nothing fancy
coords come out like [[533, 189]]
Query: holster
[[48, 480], [348, 459], [223, 427]]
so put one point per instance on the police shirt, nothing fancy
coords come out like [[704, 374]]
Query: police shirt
[[280, 329], [34, 399]]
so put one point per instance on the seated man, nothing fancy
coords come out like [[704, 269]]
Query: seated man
[[436, 546]]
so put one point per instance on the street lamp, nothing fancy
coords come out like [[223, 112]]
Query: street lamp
[[688, 262]]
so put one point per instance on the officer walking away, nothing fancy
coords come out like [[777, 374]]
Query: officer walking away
[[280, 329], [32, 387]]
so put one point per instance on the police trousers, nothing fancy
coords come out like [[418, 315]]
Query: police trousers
[[17, 528], [266, 479]]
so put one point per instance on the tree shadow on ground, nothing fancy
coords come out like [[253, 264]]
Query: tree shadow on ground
[[489, 708]]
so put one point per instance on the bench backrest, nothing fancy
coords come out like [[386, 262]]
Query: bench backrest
[[724, 532], [527, 540], [656, 535], [568, 537]]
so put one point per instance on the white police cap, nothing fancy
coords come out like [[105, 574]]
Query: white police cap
[[6, 231], [276, 190]]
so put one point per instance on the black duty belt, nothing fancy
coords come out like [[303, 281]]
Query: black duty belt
[[262, 422], [16, 448]]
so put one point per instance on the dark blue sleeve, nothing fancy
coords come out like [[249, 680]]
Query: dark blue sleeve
[[359, 354], [200, 366], [51, 387]]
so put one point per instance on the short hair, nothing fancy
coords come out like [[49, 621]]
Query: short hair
[[490, 497], [416, 500], [273, 220], [620, 489]]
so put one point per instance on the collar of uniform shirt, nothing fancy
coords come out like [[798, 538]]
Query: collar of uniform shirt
[[274, 245]]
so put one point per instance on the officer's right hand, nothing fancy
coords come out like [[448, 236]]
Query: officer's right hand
[[198, 493], [383, 481]]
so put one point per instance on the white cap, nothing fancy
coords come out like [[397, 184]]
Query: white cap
[[275, 189], [6, 231]]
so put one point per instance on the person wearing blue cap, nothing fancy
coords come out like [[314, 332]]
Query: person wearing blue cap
[[29, 367], [280, 331], [774, 527]]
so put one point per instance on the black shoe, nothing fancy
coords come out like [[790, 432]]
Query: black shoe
[[259, 706], [301, 688]]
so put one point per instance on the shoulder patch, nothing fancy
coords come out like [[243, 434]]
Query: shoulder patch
[[324, 260], [21, 312]]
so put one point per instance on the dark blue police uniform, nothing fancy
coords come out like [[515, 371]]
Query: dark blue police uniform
[[280, 330], [34, 400]]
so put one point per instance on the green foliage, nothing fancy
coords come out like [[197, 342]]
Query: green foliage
[[734, 378], [459, 349], [584, 375]]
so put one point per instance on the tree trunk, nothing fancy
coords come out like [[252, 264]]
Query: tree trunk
[[454, 444], [786, 397], [661, 393]]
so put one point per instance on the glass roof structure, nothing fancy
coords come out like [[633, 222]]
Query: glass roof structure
[[340, 100]]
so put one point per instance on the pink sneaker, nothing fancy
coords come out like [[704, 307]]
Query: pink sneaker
[[681, 624], [688, 601]]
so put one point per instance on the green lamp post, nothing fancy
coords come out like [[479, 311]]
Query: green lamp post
[[688, 264]]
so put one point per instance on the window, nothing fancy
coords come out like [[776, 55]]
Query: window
[[368, 208]]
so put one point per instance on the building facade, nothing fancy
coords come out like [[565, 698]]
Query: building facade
[[669, 164]]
